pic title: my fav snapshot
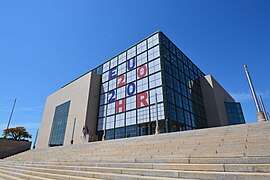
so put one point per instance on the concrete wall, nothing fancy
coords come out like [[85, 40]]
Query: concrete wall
[[12, 147], [83, 94], [214, 96], [92, 107]]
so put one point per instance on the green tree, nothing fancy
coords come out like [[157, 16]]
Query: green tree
[[17, 133]]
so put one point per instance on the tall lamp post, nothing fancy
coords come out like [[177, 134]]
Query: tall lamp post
[[259, 113], [35, 140], [263, 108], [11, 113], [73, 129], [104, 125], [157, 127]]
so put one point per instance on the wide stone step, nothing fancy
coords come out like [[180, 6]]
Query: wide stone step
[[164, 159], [159, 173], [184, 147], [160, 166], [79, 174], [14, 174], [4, 175]]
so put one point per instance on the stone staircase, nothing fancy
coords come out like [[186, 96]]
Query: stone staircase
[[231, 152]]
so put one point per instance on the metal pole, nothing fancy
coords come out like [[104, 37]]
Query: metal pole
[[35, 140], [263, 108], [11, 113], [104, 125], [157, 127], [260, 115], [167, 128], [252, 89], [73, 129]]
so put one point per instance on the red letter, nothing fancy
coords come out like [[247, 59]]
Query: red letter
[[121, 80], [120, 104], [142, 71], [142, 99]]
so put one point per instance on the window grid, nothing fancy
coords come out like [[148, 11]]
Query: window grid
[[131, 52], [141, 47], [141, 59], [143, 115], [120, 120], [152, 41], [183, 87]]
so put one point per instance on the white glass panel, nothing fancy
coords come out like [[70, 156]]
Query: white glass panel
[[112, 84], [141, 47], [152, 41], [131, 76], [160, 112], [131, 103], [122, 58], [155, 80], [120, 120], [121, 92], [106, 66], [142, 85], [131, 117], [154, 66], [143, 115], [113, 62], [111, 109], [131, 52], [121, 69], [153, 53], [153, 95], [110, 122], [141, 59], [105, 76]]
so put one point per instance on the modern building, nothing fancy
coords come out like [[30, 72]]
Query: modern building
[[125, 96]]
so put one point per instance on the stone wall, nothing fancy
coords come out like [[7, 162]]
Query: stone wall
[[11, 147]]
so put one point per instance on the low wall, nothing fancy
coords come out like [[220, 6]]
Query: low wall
[[11, 147]]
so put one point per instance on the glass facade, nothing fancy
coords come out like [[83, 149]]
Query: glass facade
[[184, 103], [234, 113], [58, 129], [130, 82]]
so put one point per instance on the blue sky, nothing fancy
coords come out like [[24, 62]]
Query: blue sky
[[46, 44]]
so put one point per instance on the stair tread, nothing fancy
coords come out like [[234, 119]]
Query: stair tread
[[154, 170], [21, 174], [231, 152], [95, 173]]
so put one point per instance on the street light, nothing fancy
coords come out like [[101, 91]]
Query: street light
[[263, 108], [157, 127], [104, 125], [259, 113], [35, 140], [11, 113]]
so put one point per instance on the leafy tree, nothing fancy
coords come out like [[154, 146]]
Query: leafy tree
[[17, 133]]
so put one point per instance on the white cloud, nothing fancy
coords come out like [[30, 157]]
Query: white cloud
[[247, 96]]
